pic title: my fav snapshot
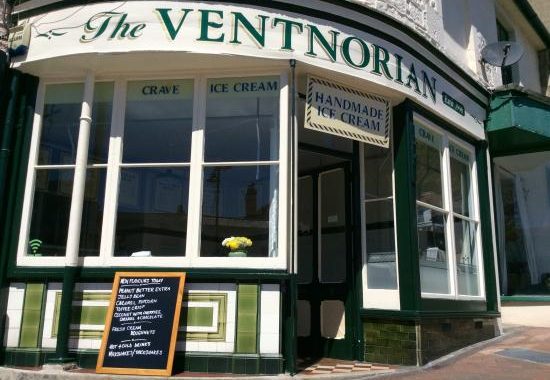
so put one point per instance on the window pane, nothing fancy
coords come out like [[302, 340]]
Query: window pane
[[242, 119], [101, 123], [158, 121], [434, 265], [466, 258], [305, 230], [50, 212], [92, 212], [428, 167], [60, 122], [378, 172], [333, 199], [460, 180], [381, 267], [240, 201], [152, 212]]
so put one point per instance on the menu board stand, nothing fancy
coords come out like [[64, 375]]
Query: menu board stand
[[142, 324]]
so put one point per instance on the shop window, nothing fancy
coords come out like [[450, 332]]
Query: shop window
[[379, 217], [447, 221], [154, 173], [54, 172], [143, 181], [241, 167], [522, 193]]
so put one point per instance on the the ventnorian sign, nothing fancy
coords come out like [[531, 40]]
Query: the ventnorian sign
[[346, 112], [219, 29], [142, 324]]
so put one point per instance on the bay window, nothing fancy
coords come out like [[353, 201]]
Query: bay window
[[175, 166], [447, 215]]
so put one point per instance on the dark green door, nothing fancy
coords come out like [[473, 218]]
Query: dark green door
[[325, 325]]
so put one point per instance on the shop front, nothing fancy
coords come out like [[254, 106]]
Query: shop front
[[348, 156]]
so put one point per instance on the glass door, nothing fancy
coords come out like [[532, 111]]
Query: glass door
[[324, 263]]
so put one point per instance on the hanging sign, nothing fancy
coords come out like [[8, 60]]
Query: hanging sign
[[142, 324], [346, 112]]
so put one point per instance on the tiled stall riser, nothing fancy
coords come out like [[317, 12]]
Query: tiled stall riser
[[219, 321]]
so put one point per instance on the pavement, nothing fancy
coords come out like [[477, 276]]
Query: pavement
[[523, 353]]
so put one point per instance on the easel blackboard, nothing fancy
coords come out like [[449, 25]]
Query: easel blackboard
[[142, 324]]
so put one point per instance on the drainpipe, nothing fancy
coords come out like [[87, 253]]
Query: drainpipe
[[75, 222]]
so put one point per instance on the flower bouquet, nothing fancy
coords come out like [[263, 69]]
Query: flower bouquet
[[237, 245]]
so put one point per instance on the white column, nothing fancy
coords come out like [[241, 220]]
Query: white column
[[75, 218]]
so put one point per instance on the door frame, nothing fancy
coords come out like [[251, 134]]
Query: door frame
[[353, 301]]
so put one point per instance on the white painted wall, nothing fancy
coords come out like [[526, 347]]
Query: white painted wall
[[461, 28]]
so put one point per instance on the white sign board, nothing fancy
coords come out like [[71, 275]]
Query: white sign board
[[346, 112]]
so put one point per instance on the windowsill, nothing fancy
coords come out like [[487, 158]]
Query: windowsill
[[526, 298], [275, 263]]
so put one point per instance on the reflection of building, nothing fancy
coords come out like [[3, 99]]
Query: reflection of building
[[345, 140]]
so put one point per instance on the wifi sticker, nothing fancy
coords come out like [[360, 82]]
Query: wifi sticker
[[35, 245]]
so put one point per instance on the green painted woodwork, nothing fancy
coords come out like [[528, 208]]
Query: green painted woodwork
[[405, 207], [525, 299], [31, 319], [197, 275], [65, 316], [518, 122], [214, 363], [17, 167], [247, 318], [486, 226], [411, 315]]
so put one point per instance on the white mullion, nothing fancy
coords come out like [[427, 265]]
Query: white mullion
[[479, 247], [240, 163], [79, 179], [113, 169], [192, 249], [448, 205], [363, 211], [282, 203], [41, 167], [432, 207], [156, 165]]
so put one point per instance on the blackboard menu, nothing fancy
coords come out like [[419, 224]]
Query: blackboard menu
[[142, 324]]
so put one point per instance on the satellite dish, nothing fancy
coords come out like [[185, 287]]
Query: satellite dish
[[502, 53]]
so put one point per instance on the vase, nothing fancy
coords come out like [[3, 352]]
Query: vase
[[237, 253]]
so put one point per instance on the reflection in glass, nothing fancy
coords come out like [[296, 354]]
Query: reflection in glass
[[434, 265], [242, 126], [152, 212], [461, 187], [158, 125], [428, 174], [240, 201], [305, 230], [381, 266], [50, 212], [60, 122], [466, 258], [378, 172], [333, 199], [101, 123], [92, 212], [333, 249]]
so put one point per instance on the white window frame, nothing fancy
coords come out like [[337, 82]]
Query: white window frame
[[377, 298], [192, 256], [450, 214]]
